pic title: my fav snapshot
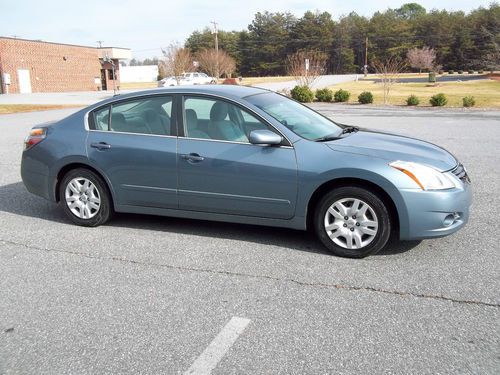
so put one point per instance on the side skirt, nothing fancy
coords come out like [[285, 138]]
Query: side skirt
[[294, 223]]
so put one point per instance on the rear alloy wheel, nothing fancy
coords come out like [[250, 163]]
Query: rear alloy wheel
[[85, 198], [352, 222]]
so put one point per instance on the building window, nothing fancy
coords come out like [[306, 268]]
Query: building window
[[111, 74]]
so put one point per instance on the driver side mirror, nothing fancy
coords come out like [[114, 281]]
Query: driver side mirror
[[264, 137]]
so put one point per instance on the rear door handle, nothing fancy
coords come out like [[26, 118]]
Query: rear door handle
[[192, 157], [101, 145]]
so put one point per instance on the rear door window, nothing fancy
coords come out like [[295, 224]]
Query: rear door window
[[151, 115]]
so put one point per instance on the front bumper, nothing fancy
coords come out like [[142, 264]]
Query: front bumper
[[435, 213]]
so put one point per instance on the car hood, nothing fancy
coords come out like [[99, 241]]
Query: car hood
[[394, 147]]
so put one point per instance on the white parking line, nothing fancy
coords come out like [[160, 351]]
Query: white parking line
[[214, 352]]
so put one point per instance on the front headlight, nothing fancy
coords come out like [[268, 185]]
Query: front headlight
[[425, 177]]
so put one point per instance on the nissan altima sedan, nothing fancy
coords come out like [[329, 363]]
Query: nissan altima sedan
[[246, 155]]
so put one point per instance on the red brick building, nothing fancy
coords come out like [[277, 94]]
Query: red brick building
[[35, 66]]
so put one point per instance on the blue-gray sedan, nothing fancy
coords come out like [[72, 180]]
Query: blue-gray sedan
[[246, 155]]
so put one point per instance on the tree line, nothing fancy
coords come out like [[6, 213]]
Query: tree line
[[460, 40]]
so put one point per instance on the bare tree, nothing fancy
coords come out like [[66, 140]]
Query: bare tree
[[421, 58], [389, 71], [215, 63], [176, 60], [306, 66]]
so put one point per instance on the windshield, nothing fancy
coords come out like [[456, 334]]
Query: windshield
[[300, 119]]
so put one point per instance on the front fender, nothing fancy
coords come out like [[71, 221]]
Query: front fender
[[337, 166]]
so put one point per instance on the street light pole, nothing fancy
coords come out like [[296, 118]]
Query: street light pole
[[366, 57], [216, 45]]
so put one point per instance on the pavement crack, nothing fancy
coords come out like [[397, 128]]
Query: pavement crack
[[266, 277]]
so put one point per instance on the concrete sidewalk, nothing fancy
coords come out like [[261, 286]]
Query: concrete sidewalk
[[64, 98], [321, 82]]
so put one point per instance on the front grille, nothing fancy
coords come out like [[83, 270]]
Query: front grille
[[461, 173]]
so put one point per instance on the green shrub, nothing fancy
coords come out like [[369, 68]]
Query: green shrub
[[460, 72], [469, 101], [341, 95], [412, 100], [470, 71], [324, 95], [438, 100], [451, 72], [481, 71], [440, 72], [366, 97], [302, 94]]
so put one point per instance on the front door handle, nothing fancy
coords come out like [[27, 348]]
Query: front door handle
[[192, 157], [101, 145]]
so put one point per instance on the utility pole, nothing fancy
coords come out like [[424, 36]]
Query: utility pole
[[216, 32], [100, 42], [366, 57]]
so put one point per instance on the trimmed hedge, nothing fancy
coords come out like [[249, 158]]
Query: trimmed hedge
[[438, 100], [366, 97], [302, 94], [412, 100], [469, 101], [341, 95], [324, 95]]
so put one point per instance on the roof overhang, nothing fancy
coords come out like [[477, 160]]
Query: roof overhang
[[115, 53]]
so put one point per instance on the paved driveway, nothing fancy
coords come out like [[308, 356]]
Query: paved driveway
[[157, 295]]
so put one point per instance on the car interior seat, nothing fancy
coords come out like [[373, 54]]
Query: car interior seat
[[192, 125], [154, 122], [220, 128], [118, 122]]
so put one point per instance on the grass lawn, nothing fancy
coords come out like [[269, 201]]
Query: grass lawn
[[16, 108], [255, 80], [423, 75], [485, 92], [138, 85]]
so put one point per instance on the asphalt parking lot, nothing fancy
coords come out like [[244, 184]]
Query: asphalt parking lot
[[156, 295]]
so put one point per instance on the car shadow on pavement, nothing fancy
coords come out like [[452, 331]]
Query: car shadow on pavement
[[15, 199]]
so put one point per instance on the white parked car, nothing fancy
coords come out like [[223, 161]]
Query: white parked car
[[192, 78], [196, 78], [168, 81]]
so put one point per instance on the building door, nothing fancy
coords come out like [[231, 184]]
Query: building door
[[103, 80], [24, 81]]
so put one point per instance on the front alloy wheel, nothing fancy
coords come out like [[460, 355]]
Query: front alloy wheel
[[352, 222]]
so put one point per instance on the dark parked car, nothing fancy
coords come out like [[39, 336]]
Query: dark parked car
[[246, 155]]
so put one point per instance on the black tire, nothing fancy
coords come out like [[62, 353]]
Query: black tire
[[382, 235], [105, 210]]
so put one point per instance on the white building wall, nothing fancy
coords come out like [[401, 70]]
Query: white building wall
[[144, 73]]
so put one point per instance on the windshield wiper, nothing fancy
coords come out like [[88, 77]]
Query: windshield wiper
[[349, 129], [334, 136], [329, 137]]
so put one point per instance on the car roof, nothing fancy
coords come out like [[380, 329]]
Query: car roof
[[229, 91]]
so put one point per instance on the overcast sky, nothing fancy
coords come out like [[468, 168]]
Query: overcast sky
[[146, 25]]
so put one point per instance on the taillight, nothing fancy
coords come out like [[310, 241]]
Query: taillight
[[36, 136]]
